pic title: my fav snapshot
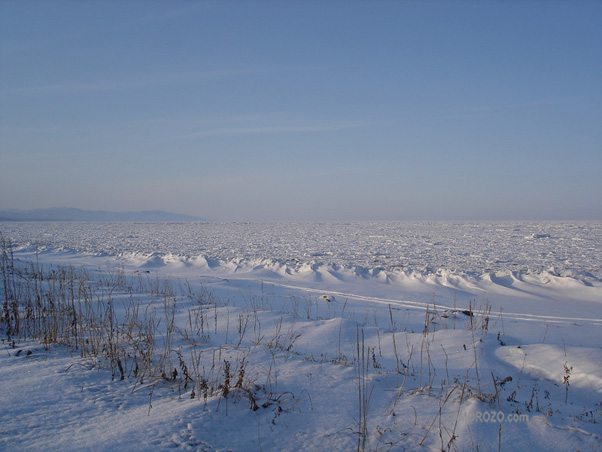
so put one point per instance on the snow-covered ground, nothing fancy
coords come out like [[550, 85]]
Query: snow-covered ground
[[333, 336]]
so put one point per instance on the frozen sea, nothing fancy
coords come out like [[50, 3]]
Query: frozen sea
[[562, 248]]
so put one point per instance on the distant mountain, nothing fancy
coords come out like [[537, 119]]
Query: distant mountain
[[71, 214]]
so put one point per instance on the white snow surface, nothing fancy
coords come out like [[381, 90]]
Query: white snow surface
[[294, 300]]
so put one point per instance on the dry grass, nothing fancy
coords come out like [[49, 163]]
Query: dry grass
[[107, 318]]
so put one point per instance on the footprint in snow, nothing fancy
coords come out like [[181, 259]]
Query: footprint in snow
[[186, 440]]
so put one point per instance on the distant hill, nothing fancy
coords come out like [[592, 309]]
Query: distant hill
[[71, 214]]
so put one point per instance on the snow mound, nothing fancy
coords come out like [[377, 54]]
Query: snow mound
[[548, 361]]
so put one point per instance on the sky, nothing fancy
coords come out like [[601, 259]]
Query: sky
[[304, 110]]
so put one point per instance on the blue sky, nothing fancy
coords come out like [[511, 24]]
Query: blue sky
[[304, 110]]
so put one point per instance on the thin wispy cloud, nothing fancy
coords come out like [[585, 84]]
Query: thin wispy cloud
[[155, 17], [146, 80], [274, 129], [509, 106], [138, 81]]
